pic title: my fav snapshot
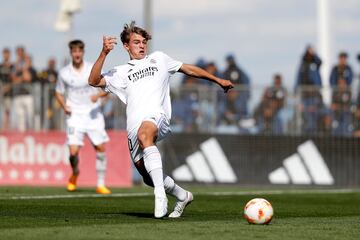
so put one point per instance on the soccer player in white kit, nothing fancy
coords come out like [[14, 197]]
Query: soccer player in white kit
[[143, 85], [83, 114]]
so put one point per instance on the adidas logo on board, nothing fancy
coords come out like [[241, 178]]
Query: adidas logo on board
[[208, 165], [305, 167]]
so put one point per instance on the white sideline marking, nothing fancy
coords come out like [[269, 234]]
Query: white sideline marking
[[77, 196], [240, 193], [275, 192]]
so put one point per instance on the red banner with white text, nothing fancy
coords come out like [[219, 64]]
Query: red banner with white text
[[41, 158]]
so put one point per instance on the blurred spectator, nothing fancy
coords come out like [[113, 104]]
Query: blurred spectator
[[207, 98], [308, 85], [237, 76], [341, 71], [356, 119], [341, 109], [324, 123], [25, 74], [48, 78], [189, 100], [50, 74], [356, 122], [6, 74], [234, 73], [309, 71], [179, 109], [276, 93], [312, 112], [267, 113], [229, 110]]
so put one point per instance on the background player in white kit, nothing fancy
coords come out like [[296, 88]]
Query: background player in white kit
[[143, 84], [83, 115]]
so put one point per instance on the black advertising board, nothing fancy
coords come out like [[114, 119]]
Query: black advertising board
[[263, 160]]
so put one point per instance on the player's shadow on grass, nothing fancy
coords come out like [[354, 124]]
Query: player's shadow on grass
[[139, 214], [133, 214]]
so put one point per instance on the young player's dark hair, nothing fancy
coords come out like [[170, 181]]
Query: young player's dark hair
[[131, 28], [277, 76], [76, 44], [6, 49], [343, 55]]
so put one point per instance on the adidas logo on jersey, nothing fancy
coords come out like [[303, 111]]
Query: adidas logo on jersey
[[305, 167], [208, 165]]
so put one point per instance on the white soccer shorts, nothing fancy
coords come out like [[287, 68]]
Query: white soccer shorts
[[163, 125], [80, 124]]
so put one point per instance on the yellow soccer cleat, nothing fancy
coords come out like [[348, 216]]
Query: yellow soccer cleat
[[103, 190], [71, 187]]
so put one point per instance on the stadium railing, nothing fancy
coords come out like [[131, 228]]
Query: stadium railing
[[206, 109]]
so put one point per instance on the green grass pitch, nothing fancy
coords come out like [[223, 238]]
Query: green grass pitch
[[53, 213]]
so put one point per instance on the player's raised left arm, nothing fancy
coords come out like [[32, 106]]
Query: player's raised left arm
[[194, 71], [95, 78]]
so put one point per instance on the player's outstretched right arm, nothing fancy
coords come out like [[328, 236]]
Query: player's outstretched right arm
[[194, 71], [95, 78]]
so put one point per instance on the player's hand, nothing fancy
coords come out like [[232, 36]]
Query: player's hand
[[226, 85], [67, 110], [108, 44], [94, 98]]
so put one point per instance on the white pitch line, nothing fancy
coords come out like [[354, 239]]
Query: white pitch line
[[274, 192], [240, 193], [76, 196]]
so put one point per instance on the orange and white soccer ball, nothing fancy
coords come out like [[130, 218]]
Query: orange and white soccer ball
[[258, 211]]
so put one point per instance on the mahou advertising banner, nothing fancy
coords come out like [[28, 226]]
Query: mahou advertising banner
[[36, 158]]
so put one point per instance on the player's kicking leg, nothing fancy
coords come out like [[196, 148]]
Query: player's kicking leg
[[183, 197], [160, 202], [146, 137], [153, 165]]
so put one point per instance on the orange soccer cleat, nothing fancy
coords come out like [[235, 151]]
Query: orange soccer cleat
[[71, 187], [103, 190]]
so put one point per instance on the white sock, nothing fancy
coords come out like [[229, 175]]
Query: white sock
[[157, 178], [153, 165], [173, 189], [100, 168]]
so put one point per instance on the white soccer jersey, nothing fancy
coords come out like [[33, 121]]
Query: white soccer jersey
[[143, 85], [75, 84]]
